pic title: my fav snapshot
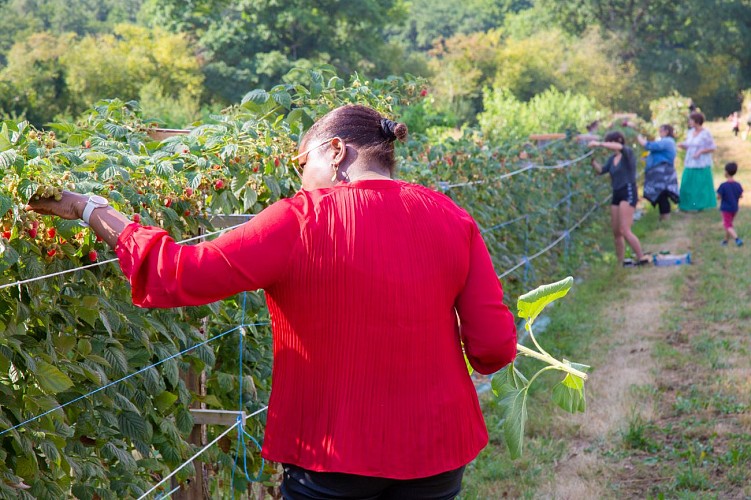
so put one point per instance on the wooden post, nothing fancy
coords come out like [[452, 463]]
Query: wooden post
[[197, 488], [160, 134]]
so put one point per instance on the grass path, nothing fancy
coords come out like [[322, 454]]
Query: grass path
[[669, 412]]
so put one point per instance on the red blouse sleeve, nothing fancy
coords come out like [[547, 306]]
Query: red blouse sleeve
[[163, 273], [487, 326]]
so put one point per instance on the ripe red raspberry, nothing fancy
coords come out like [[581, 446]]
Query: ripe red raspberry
[[218, 184], [32, 233], [189, 192], [168, 202], [7, 235], [137, 218], [51, 232], [93, 256], [51, 252]]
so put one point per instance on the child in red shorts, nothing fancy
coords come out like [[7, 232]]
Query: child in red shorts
[[729, 193]]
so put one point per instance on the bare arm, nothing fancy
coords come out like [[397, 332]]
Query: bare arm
[[614, 146], [596, 165], [106, 222]]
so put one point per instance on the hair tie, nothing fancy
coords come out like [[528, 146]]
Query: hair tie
[[387, 129]]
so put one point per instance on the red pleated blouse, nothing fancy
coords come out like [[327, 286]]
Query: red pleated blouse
[[367, 284]]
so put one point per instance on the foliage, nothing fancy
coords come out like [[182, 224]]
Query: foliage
[[672, 110], [254, 44], [507, 119], [428, 21], [22, 18], [698, 47], [462, 65], [584, 65], [62, 75]]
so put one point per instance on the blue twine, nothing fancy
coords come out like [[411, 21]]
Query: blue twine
[[59, 407], [527, 267], [240, 429]]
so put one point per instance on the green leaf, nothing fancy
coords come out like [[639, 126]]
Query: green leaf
[[250, 197], [26, 467], [114, 453], [257, 96], [132, 425], [514, 410], [469, 367], [164, 401], [531, 304], [184, 421], [7, 158], [282, 98], [273, 186], [5, 205], [50, 379], [508, 379], [27, 189], [569, 394]]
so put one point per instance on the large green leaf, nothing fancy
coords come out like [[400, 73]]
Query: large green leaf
[[532, 303], [50, 379], [569, 394], [257, 96], [513, 405], [132, 425]]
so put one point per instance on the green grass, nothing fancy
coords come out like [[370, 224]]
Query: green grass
[[706, 339], [695, 443]]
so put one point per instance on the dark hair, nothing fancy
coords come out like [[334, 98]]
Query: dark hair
[[731, 168], [363, 127], [697, 118], [669, 129], [615, 137], [593, 126]]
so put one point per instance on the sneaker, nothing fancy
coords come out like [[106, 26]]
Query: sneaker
[[643, 261], [724, 243], [628, 263], [738, 241]]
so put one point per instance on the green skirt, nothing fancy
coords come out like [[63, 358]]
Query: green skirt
[[697, 189]]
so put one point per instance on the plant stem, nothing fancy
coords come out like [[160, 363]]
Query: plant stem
[[528, 326], [547, 358], [529, 384]]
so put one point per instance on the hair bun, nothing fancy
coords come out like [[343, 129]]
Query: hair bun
[[392, 130]]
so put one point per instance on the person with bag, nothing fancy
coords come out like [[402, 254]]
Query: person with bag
[[660, 179]]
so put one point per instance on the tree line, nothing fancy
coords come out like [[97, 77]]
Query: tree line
[[185, 60]]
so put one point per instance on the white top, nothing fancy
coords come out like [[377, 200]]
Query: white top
[[696, 142]]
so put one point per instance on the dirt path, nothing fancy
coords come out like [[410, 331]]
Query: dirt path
[[626, 363]]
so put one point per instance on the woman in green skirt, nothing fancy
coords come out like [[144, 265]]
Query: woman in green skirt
[[697, 186]]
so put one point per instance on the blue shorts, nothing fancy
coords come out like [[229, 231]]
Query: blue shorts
[[626, 193]]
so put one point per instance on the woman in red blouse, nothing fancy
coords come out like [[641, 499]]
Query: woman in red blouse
[[372, 284]]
